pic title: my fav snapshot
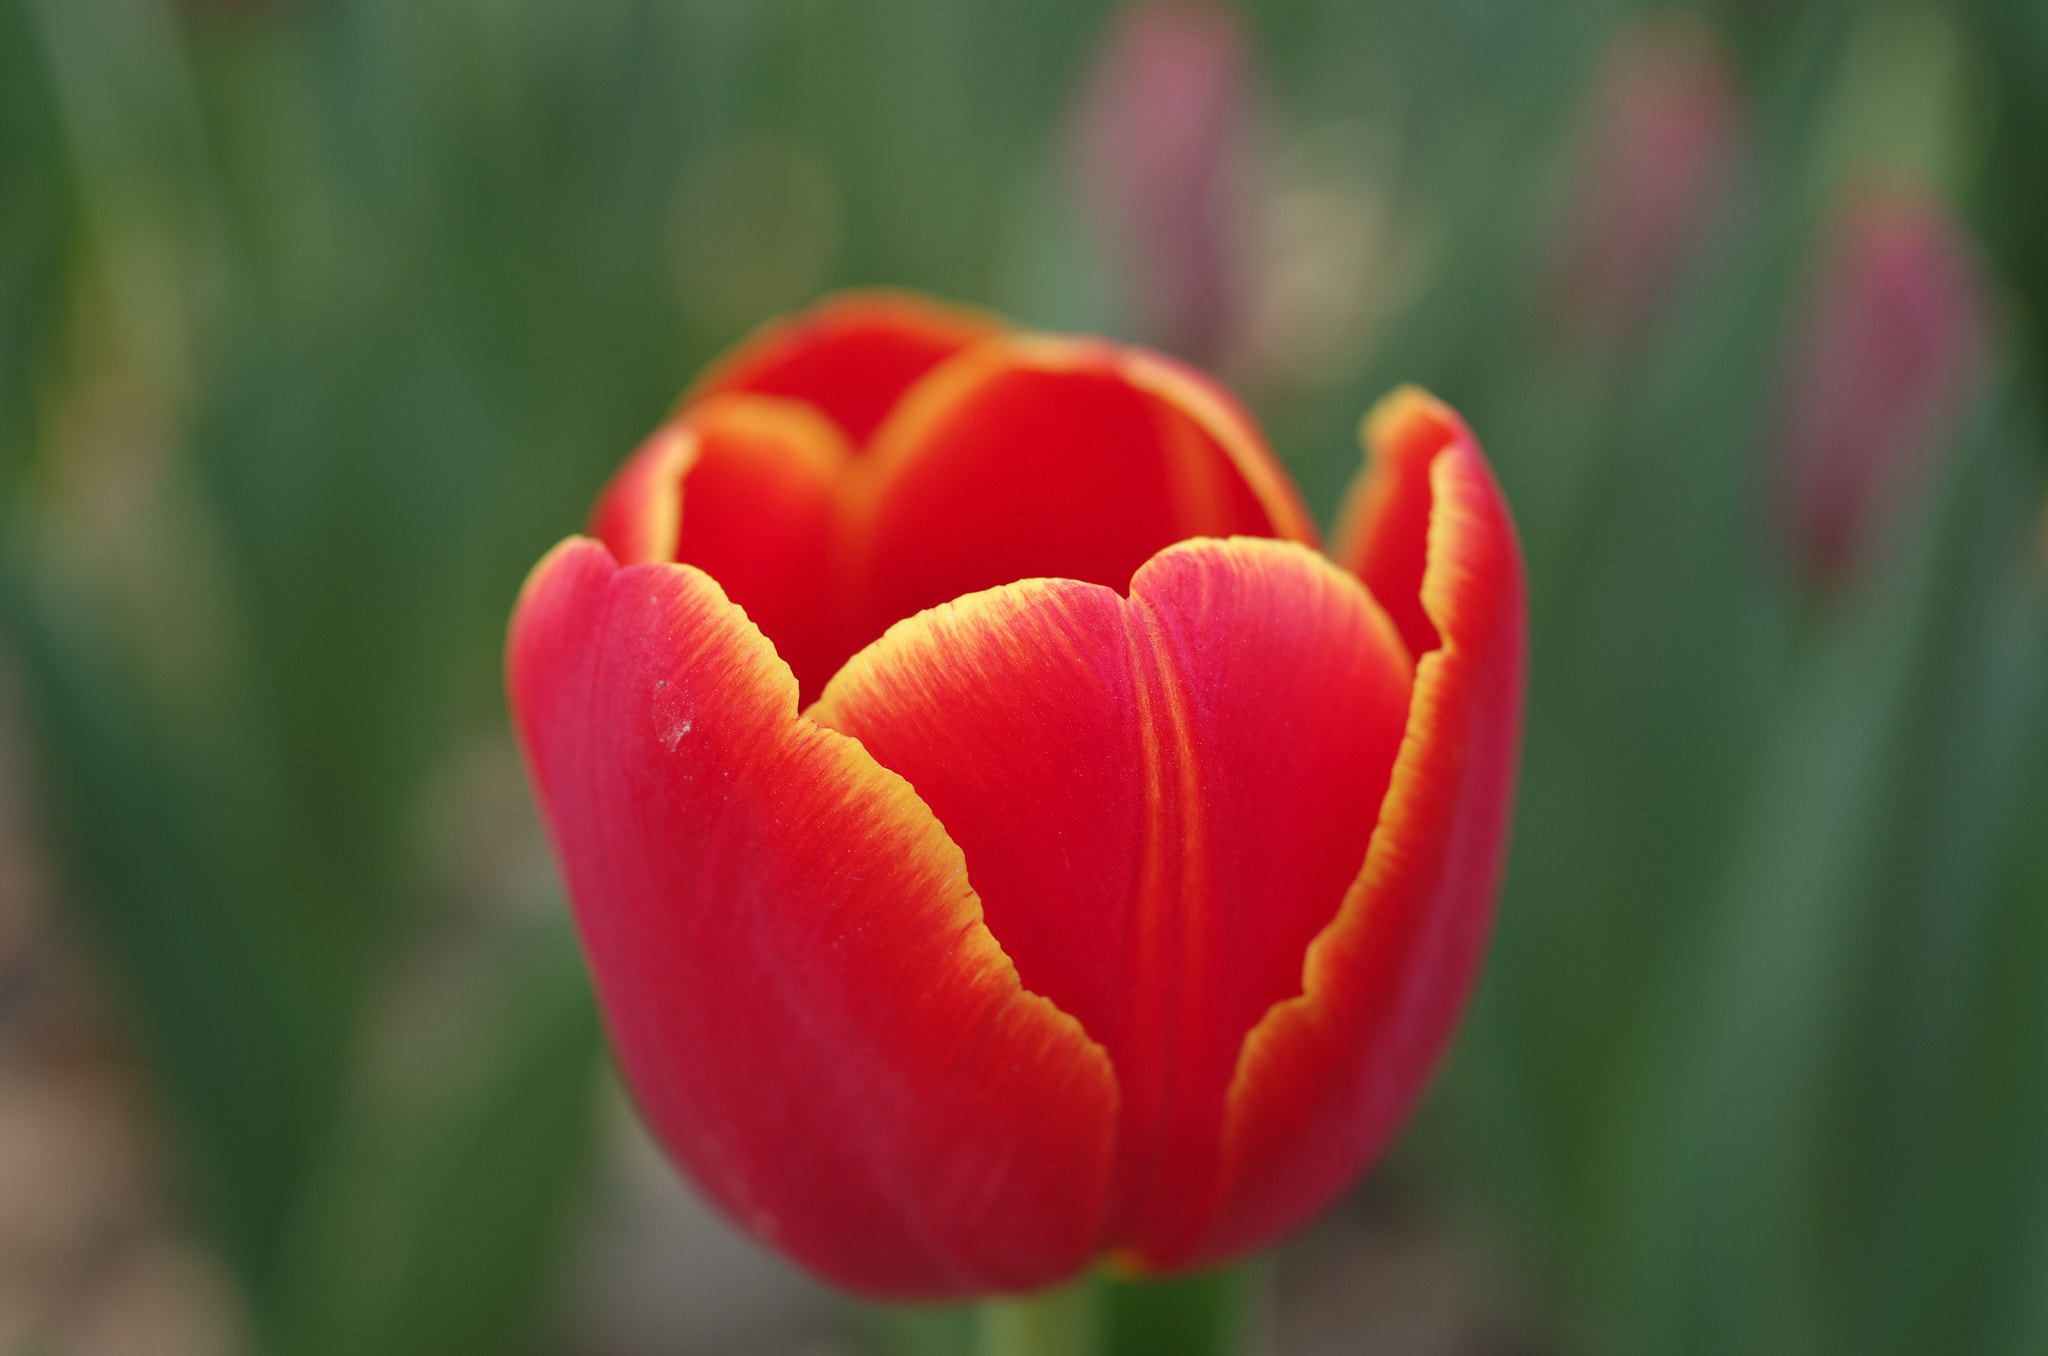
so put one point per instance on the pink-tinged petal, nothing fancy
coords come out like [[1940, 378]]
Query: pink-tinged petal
[[1660, 145], [852, 356], [793, 967], [1161, 144], [1029, 456], [1893, 341], [1161, 801], [1326, 1078]]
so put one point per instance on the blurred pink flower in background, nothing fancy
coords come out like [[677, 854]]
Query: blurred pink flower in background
[[1160, 149], [1892, 338], [1656, 154]]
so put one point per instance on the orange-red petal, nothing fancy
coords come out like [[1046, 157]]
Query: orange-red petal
[[748, 489], [1160, 799], [1326, 1078], [1028, 456], [795, 972], [1018, 456], [639, 513], [851, 356]]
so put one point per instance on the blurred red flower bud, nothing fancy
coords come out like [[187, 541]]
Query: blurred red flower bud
[[1160, 138], [1124, 874], [1891, 340], [1658, 148]]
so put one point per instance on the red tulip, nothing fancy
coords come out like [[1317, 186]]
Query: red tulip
[[1120, 901]]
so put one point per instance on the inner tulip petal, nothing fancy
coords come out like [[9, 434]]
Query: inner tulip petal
[[761, 515], [1383, 528], [1019, 457], [639, 515], [1030, 456], [748, 489], [852, 356], [793, 968], [1161, 800]]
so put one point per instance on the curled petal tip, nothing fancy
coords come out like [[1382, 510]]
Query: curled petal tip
[[1409, 421], [1383, 529], [639, 513]]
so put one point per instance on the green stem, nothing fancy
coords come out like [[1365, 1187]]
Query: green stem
[[1216, 1313], [1051, 1323], [1213, 1314]]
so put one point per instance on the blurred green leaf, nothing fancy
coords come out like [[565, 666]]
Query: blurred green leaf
[[245, 1054], [1730, 1239], [438, 1209], [2011, 41], [35, 233], [914, 1330]]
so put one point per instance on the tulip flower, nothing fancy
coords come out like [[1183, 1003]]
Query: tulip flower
[[1001, 840], [1659, 148], [1893, 339], [1160, 138]]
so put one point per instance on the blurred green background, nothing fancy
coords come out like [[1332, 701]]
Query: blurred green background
[[320, 320]]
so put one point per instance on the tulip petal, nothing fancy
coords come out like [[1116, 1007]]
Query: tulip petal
[[1020, 457], [748, 489], [1161, 800], [1028, 456], [1383, 526], [762, 514], [794, 971], [852, 356], [639, 514], [1327, 1077]]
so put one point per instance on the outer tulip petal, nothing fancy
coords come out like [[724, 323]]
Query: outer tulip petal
[[1161, 801], [794, 970], [852, 355], [1326, 1078], [1030, 456]]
